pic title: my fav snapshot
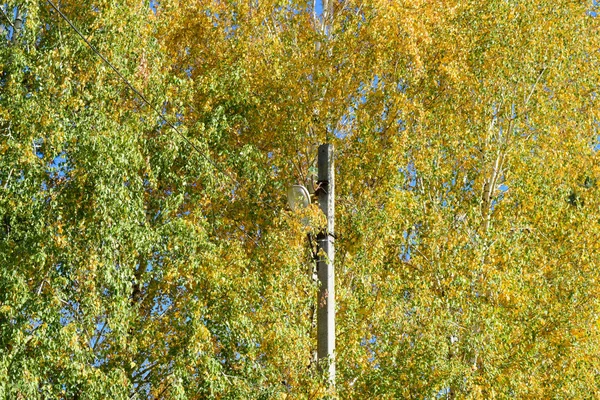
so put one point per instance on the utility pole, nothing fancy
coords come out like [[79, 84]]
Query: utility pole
[[325, 269]]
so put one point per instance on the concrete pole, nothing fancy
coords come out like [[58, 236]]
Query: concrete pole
[[325, 269]]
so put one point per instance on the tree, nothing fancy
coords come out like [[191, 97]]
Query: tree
[[136, 263]]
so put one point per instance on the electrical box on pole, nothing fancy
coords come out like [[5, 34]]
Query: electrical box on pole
[[325, 269]]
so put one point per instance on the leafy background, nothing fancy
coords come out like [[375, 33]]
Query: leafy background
[[134, 265]]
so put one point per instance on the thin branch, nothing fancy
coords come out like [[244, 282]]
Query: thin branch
[[8, 178], [163, 391], [8, 20], [41, 286], [141, 372], [99, 335], [534, 85]]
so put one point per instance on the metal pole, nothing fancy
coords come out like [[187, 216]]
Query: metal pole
[[325, 269]]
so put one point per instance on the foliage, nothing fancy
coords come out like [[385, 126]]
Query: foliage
[[468, 209]]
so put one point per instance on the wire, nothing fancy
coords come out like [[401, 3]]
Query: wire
[[139, 94]]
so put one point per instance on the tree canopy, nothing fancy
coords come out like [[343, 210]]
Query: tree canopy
[[146, 250]]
